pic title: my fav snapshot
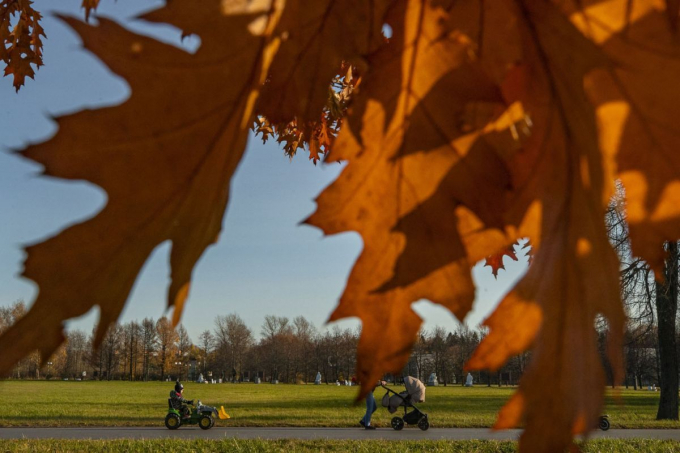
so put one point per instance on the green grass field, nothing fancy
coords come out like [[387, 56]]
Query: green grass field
[[93, 403], [325, 446]]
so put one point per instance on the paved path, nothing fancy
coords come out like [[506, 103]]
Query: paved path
[[304, 433]]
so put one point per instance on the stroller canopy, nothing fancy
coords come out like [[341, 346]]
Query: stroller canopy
[[415, 388], [415, 393]]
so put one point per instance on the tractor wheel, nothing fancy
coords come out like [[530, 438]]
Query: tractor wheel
[[172, 421], [205, 422], [423, 424], [397, 423]]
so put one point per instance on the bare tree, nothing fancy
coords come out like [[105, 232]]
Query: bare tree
[[29, 366], [76, 344], [166, 337], [110, 349], [303, 347], [207, 342], [276, 330], [419, 354], [667, 309], [233, 340], [149, 340], [438, 348], [642, 297], [131, 345], [183, 345], [95, 358]]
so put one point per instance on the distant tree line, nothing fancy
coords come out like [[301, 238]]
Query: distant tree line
[[289, 351], [294, 351], [444, 354]]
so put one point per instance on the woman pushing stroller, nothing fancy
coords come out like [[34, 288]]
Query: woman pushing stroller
[[370, 407]]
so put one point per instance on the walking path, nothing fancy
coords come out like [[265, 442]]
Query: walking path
[[305, 433]]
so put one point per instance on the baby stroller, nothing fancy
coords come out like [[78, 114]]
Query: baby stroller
[[415, 392]]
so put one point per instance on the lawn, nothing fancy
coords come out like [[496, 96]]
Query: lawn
[[325, 446], [93, 403]]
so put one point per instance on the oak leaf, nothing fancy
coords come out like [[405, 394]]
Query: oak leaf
[[529, 251], [165, 157], [89, 6], [405, 135], [21, 45], [316, 38], [318, 135], [326, 135], [315, 150], [495, 261], [561, 204], [640, 136]]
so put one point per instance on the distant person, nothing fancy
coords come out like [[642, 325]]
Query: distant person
[[370, 407], [178, 402]]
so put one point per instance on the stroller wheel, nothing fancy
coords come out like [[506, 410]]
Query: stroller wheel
[[604, 423], [397, 423], [423, 424]]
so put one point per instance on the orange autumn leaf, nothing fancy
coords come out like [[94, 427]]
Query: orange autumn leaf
[[131, 150], [21, 37], [575, 274], [315, 40], [529, 251], [640, 136], [398, 153], [326, 135], [89, 6], [495, 261], [315, 150]]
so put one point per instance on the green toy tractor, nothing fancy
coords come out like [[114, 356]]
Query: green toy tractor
[[202, 415]]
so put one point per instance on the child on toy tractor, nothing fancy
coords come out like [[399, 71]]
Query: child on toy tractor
[[178, 402], [179, 413]]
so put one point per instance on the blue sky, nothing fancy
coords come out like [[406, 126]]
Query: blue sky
[[264, 262]]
